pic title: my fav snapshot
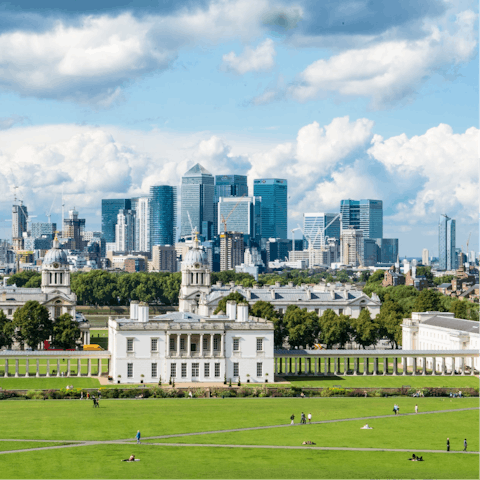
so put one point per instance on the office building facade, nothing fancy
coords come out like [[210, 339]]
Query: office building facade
[[163, 215], [39, 229], [425, 257], [352, 245], [110, 209], [198, 188], [389, 250], [365, 215], [242, 215], [73, 229], [140, 205], [314, 228], [164, 258], [446, 243], [125, 231], [227, 186], [19, 224], [274, 194], [232, 248]]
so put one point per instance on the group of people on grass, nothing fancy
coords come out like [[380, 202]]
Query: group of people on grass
[[303, 419]]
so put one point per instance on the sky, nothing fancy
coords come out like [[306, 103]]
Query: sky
[[344, 98]]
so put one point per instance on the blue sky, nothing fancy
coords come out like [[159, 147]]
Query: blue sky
[[345, 99]]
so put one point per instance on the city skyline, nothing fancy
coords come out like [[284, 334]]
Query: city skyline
[[256, 89]]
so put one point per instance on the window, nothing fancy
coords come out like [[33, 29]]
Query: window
[[154, 344], [217, 369], [259, 369], [317, 311], [206, 370], [193, 346], [129, 344], [235, 370], [9, 311], [236, 344], [340, 311], [182, 344], [173, 370], [154, 369], [259, 344], [184, 370], [172, 344], [205, 343], [129, 370], [195, 369], [215, 343]]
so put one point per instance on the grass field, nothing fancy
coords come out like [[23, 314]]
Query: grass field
[[57, 421], [47, 383]]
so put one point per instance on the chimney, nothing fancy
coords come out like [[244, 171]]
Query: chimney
[[134, 310], [278, 284], [219, 284], [242, 312], [248, 294], [272, 293], [143, 312], [232, 284], [231, 310], [290, 284]]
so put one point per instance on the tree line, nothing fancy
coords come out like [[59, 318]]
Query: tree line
[[32, 324]]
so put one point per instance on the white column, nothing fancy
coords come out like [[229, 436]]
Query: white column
[[355, 365], [462, 365], [345, 365], [68, 367], [211, 344], [48, 367], [315, 365], [424, 361], [395, 365], [168, 345], [222, 341], [472, 367], [178, 344], [37, 373], [99, 367], [189, 345], [16, 368], [58, 367], [365, 365], [453, 366], [414, 365], [5, 373], [296, 366], [325, 365], [89, 367], [375, 366], [434, 365], [79, 367], [385, 366], [27, 367], [201, 344], [443, 365]]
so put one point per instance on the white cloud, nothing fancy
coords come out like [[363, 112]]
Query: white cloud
[[389, 71], [259, 59]]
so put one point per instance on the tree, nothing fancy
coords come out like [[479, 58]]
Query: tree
[[32, 323], [96, 287], [427, 271], [267, 310], [389, 322], [365, 276], [302, 327], [66, 332], [365, 330], [27, 279], [428, 301], [334, 329], [6, 331], [222, 304]]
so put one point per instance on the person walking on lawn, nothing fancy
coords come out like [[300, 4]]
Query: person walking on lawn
[[292, 418], [137, 436], [448, 444], [465, 445]]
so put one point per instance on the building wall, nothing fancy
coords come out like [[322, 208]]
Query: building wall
[[163, 215], [110, 209], [164, 258], [274, 193]]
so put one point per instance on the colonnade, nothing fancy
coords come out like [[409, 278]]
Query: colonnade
[[366, 363], [209, 351]]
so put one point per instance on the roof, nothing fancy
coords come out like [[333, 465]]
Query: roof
[[469, 326], [445, 285], [381, 353], [197, 170], [469, 290]]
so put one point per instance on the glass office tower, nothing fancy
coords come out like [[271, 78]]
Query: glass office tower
[[227, 186], [243, 216], [274, 195], [365, 215], [110, 210], [314, 228], [198, 187], [141, 207], [163, 215], [446, 243], [389, 250]]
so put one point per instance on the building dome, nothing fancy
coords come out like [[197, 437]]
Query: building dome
[[55, 257], [195, 257]]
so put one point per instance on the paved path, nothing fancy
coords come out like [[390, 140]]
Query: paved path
[[80, 443]]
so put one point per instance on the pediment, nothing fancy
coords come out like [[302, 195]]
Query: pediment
[[59, 296]]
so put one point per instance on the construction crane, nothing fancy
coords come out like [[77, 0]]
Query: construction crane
[[49, 213], [224, 220], [293, 238]]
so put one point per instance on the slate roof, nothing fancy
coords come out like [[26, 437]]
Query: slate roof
[[368, 353], [468, 326], [445, 285]]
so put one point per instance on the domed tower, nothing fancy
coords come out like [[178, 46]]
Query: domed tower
[[56, 271], [196, 281]]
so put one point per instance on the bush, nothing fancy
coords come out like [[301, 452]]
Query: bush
[[6, 394]]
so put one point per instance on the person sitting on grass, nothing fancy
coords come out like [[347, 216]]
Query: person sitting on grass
[[308, 442], [414, 458], [130, 459], [366, 427]]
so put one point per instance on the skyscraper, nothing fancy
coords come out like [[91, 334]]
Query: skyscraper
[[425, 257], [352, 245], [110, 209], [232, 250], [163, 215], [141, 207], [274, 209], [446, 243], [73, 228], [38, 229], [243, 215], [19, 224], [314, 228], [365, 215], [197, 201], [389, 250], [227, 186], [125, 231]]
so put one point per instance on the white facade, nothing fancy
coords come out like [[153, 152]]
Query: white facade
[[352, 247], [142, 224], [425, 257], [441, 331], [125, 231]]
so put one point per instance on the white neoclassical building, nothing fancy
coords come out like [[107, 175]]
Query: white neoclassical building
[[441, 332], [55, 293], [191, 347]]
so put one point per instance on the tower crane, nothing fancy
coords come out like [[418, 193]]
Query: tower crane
[[224, 220], [49, 214], [293, 238]]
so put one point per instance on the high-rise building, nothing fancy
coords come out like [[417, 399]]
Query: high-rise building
[[364, 215], [163, 215], [73, 229], [242, 215], [227, 186], [197, 201], [39, 229], [314, 228], [164, 258], [19, 224], [446, 243], [352, 247], [425, 257], [232, 249], [125, 231], [371, 252], [140, 205], [389, 250], [274, 193], [110, 209]]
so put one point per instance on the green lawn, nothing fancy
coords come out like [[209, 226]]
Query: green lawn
[[5, 446], [57, 421], [100, 337], [379, 381], [54, 383]]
